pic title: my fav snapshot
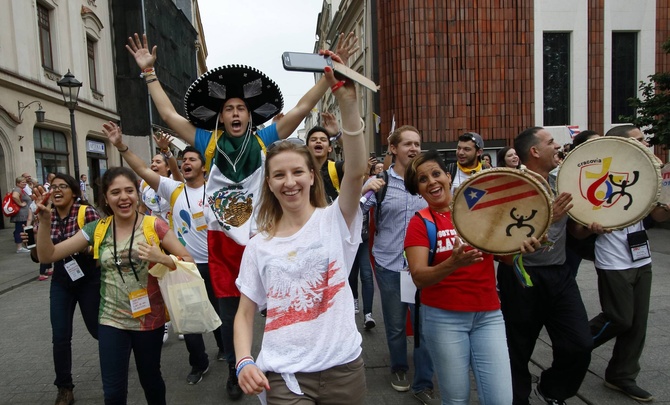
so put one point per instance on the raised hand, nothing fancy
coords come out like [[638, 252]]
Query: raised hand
[[347, 46], [113, 133], [163, 140], [461, 257], [140, 51], [329, 122]]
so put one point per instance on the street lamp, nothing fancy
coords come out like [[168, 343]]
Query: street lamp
[[70, 87], [39, 113]]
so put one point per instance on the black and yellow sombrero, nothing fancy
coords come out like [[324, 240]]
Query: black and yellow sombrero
[[205, 97]]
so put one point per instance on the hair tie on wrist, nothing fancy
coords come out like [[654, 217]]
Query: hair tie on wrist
[[337, 86], [151, 80], [356, 133], [125, 150]]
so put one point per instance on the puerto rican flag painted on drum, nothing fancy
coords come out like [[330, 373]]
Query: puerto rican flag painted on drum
[[487, 192]]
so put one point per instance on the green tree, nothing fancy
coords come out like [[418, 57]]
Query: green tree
[[653, 109]]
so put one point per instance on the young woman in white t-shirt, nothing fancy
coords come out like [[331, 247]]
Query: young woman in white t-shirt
[[297, 267]]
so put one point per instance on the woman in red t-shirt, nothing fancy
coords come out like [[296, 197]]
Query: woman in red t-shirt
[[460, 313]]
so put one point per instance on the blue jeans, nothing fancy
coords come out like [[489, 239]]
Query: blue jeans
[[115, 346], [460, 340], [63, 300], [227, 310], [363, 267], [395, 318]]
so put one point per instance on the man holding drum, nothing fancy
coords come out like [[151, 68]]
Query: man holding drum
[[623, 264], [553, 300]]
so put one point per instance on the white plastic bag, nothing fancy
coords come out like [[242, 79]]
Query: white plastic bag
[[185, 296]]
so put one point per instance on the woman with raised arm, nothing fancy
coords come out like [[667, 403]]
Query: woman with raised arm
[[297, 267], [132, 311]]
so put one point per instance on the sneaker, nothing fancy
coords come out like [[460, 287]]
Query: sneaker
[[43, 277], [50, 272], [232, 386], [195, 376], [356, 309], [369, 322], [427, 397], [632, 391], [22, 250], [65, 396], [399, 381], [166, 333], [181, 336], [547, 400], [220, 356]]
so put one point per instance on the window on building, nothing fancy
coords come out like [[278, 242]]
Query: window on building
[[51, 154], [90, 48], [624, 73], [44, 24], [556, 73]]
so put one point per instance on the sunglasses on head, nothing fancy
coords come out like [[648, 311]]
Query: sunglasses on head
[[295, 141]]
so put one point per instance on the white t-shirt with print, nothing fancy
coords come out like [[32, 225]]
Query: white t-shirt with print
[[160, 207], [183, 224], [302, 279]]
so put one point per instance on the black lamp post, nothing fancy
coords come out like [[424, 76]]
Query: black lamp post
[[70, 87]]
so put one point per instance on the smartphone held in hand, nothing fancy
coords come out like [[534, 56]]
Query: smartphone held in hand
[[30, 231]]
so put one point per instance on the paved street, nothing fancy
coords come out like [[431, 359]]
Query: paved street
[[26, 372]]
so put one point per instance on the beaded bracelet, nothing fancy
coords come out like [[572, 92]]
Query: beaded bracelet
[[242, 365], [356, 133], [335, 87], [148, 72]]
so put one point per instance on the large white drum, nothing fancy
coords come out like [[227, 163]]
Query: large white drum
[[614, 181]]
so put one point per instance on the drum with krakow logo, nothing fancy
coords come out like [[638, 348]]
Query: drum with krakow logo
[[495, 210], [614, 181]]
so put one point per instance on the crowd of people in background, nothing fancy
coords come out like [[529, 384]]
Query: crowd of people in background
[[275, 225]]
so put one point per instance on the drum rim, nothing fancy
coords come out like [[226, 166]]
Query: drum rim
[[645, 152], [543, 188]]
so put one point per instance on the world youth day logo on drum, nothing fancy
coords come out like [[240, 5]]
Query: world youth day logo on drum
[[613, 181]]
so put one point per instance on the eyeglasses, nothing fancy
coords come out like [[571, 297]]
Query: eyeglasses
[[60, 186], [295, 141]]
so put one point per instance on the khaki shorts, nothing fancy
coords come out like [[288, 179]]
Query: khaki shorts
[[344, 384]]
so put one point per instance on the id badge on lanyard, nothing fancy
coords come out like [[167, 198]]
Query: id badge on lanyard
[[638, 245], [73, 270], [139, 302], [199, 221]]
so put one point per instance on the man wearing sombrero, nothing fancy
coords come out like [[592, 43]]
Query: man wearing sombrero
[[223, 107]]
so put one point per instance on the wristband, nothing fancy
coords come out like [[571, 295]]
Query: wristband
[[151, 80], [337, 86], [125, 150], [356, 133], [242, 359], [167, 155], [148, 72], [242, 365]]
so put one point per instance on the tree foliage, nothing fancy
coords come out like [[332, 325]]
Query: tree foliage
[[653, 108]]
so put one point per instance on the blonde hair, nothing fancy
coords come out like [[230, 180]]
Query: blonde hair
[[269, 208], [395, 137]]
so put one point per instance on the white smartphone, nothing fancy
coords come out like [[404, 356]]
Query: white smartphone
[[305, 62]]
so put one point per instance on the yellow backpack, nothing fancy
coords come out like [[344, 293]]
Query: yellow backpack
[[81, 216], [210, 151], [148, 227]]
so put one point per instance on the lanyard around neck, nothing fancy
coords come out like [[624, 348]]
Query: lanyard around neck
[[186, 195], [117, 260]]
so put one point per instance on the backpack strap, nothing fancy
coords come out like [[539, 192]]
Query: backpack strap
[[149, 229], [173, 200], [379, 196], [81, 216], [99, 234], [210, 150], [428, 219], [332, 173]]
